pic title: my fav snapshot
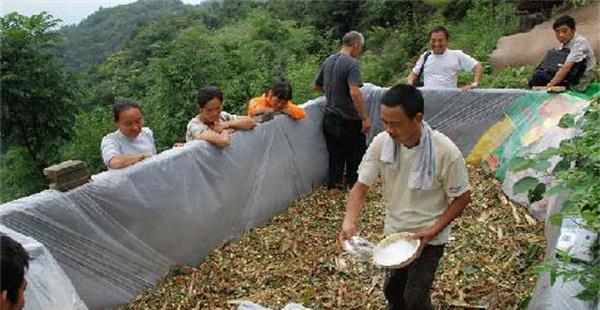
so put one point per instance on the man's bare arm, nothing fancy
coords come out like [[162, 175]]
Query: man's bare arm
[[412, 79], [561, 74], [354, 205], [359, 104]]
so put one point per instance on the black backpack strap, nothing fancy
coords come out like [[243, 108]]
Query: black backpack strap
[[423, 64]]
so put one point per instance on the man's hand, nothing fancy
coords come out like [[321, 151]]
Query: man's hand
[[349, 229], [470, 86], [425, 236], [354, 204], [366, 125]]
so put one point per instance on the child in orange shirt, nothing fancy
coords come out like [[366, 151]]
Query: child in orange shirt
[[277, 100]]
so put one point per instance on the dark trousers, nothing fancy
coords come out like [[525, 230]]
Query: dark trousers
[[346, 145], [409, 287]]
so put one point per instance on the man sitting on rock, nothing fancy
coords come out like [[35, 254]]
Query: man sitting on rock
[[572, 65]]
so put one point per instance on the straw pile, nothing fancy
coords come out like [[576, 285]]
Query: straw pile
[[295, 258]]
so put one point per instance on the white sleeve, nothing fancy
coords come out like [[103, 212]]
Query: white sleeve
[[369, 168], [110, 148], [194, 129], [151, 139], [577, 53], [467, 63], [455, 176], [419, 64], [226, 117]]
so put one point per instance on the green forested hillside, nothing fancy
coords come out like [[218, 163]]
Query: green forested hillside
[[161, 52], [95, 38]]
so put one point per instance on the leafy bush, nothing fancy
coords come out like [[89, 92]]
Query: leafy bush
[[508, 78], [485, 23], [578, 179], [89, 129], [19, 175], [37, 99]]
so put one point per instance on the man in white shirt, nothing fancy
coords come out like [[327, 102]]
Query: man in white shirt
[[425, 187], [440, 66]]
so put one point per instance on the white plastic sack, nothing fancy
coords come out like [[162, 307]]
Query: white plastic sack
[[248, 305]]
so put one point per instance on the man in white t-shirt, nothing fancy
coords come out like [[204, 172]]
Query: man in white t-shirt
[[443, 64], [425, 187]]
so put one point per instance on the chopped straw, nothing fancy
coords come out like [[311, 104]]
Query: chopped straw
[[294, 258]]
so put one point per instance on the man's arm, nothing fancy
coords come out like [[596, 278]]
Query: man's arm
[[319, 80], [412, 79], [454, 210], [477, 72], [561, 74], [354, 205], [359, 104]]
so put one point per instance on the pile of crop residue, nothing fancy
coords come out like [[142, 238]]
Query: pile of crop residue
[[295, 258]]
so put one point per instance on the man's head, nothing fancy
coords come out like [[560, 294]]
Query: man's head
[[353, 41], [128, 117], [438, 40], [14, 263], [564, 28], [402, 113], [279, 95]]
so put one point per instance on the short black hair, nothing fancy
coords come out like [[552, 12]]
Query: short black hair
[[206, 94], [123, 104], [440, 29], [14, 260], [406, 96], [282, 90], [564, 20]]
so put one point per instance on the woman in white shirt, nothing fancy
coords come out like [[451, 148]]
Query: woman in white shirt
[[212, 123], [131, 142]]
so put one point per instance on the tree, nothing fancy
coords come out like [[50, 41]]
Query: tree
[[36, 93]]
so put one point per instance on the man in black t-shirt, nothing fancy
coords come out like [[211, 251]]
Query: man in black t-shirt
[[346, 120]]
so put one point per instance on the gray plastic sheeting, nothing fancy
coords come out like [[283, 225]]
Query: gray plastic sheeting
[[462, 116], [116, 236], [47, 285]]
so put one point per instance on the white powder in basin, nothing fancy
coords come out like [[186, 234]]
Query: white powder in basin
[[395, 253]]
